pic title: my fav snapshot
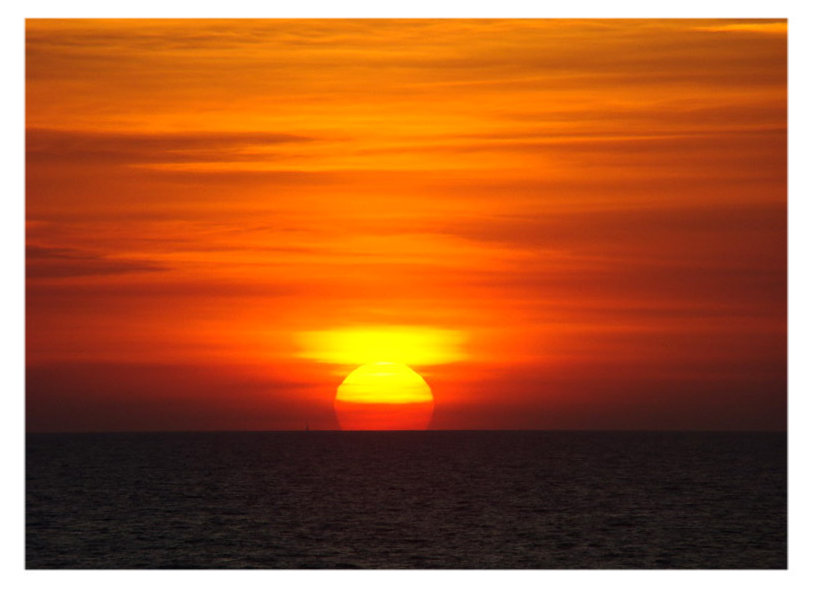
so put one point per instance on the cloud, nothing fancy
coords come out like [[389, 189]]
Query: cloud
[[50, 145], [54, 262], [719, 256], [689, 231], [765, 28]]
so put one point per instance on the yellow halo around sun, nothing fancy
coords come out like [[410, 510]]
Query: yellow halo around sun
[[422, 346], [384, 395]]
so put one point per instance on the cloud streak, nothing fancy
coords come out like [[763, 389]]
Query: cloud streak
[[88, 147], [56, 262]]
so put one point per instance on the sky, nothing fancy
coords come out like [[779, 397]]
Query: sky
[[557, 224]]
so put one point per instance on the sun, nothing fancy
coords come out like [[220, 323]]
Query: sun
[[384, 396]]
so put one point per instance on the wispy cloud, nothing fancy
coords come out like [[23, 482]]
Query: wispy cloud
[[57, 262], [72, 147], [766, 28]]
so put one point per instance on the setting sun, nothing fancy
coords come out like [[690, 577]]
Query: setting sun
[[384, 395]]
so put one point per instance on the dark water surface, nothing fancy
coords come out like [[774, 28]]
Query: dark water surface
[[406, 500]]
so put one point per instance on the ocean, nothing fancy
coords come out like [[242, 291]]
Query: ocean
[[407, 500]]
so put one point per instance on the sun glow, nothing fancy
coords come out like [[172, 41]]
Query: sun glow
[[384, 395], [409, 345]]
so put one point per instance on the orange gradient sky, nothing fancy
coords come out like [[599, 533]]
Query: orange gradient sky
[[574, 224]]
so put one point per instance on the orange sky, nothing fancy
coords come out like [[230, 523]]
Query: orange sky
[[595, 210]]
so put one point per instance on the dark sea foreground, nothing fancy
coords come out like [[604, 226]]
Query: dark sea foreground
[[406, 500]]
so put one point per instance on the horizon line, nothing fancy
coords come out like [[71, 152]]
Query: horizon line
[[462, 430]]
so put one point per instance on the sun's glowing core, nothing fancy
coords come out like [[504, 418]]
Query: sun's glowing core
[[384, 382], [384, 395]]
